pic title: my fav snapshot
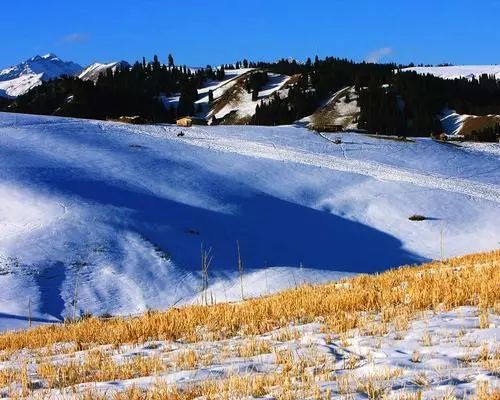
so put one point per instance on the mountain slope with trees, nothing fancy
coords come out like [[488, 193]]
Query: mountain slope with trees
[[392, 100]]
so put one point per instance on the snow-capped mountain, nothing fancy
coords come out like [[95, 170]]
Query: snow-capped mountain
[[92, 72], [19, 79]]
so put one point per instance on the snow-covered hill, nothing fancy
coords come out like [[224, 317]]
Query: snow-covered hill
[[218, 88], [92, 72], [463, 125], [117, 214], [19, 79], [237, 101], [458, 71], [231, 99], [341, 108]]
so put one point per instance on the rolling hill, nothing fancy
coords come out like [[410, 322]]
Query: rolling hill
[[107, 218]]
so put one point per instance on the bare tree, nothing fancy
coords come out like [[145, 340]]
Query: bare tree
[[206, 260]]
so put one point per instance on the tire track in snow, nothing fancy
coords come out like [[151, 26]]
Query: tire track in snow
[[373, 169]]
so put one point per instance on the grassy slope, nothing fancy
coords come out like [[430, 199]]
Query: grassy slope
[[469, 280], [61, 357]]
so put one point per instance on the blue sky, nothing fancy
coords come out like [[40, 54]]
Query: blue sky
[[200, 32]]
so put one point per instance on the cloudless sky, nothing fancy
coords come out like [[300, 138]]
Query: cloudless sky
[[200, 32]]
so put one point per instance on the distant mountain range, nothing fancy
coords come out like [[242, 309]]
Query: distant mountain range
[[21, 78], [326, 95]]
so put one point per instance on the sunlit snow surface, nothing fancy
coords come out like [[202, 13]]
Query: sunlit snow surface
[[118, 213], [458, 71]]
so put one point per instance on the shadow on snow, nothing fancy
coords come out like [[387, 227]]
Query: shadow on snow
[[271, 231]]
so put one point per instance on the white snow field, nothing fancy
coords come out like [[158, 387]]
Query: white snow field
[[103, 217], [458, 71]]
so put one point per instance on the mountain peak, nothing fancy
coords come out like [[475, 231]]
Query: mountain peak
[[20, 78], [50, 56]]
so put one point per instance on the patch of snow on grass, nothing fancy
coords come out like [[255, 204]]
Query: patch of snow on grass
[[432, 356]]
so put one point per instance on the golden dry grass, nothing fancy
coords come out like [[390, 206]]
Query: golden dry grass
[[254, 347], [97, 367], [469, 280], [478, 123], [187, 359], [484, 392], [231, 387]]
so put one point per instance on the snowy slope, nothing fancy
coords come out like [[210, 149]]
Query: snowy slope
[[118, 213], [218, 88], [461, 125], [242, 103], [458, 71], [19, 86], [92, 72], [452, 122], [341, 108], [21, 78]]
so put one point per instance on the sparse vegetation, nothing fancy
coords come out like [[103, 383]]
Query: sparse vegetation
[[373, 306], [468, 280], [417, 217]]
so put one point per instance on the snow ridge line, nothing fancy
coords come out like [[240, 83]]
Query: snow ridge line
[[369, 168]]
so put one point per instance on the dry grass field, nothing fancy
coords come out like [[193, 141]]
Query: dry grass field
[[317, 342]]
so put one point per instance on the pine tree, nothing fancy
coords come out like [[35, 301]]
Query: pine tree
[[255, 95], [156, 64], [188, 96], [171, 63]]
